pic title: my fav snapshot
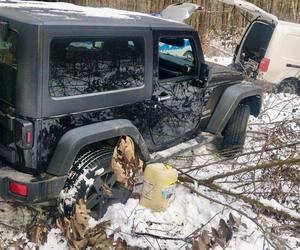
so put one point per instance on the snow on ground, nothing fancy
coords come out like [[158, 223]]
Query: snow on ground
[[186, 214], [190, 212], [55, 241], [219, 60]]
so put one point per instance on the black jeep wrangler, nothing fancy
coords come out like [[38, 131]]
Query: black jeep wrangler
[[72, 82]]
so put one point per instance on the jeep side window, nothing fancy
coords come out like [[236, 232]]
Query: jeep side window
[[176, 58], [95, 65], [8, 68]]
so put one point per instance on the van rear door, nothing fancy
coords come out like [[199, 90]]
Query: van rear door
[[252, 9], [253, 47]]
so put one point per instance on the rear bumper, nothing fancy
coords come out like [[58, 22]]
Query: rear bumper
[[40, 189]]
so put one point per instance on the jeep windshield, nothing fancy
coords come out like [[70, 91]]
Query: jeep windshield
[[8, 68]]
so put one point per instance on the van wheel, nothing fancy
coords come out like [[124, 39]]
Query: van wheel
[[289, 86], [234, 134], [93, 180]]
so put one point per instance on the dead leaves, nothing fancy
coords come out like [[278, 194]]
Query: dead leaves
[[78, 234], [18, 244], [203, 242], [125, 163], [220, 236], [2, 245], [38, 234], [36, 237], [234, 222], [75, 227], [97, 238], [106, 190], [223, 235], [121, 244]]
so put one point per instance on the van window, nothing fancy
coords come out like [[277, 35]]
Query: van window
[[176, 57], [291, 46], [257, 41], [95, 65], [8, 68]]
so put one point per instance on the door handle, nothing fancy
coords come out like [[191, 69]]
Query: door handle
[[164, 98]]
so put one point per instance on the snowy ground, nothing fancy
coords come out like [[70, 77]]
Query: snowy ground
[[219, 60], [278, 125]]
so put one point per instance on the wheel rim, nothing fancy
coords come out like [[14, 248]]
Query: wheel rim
[[189, 56], [98, 201]]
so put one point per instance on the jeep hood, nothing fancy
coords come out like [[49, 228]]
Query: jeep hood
[[222, 73], [251, 9]]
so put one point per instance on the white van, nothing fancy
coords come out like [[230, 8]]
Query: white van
[[269, 49]]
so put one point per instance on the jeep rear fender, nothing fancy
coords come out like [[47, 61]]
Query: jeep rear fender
[[74, 140], [247, 93]]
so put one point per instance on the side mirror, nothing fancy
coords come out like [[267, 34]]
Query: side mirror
[[205, 73], [4, 31]]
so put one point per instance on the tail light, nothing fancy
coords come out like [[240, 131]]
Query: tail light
[[24, 133], [264, 65], [28, 137], [18, 188]]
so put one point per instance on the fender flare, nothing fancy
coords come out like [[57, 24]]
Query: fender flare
[[75, 139], [246, 92]]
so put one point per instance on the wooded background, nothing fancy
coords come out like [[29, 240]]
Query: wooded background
[[216, 19]]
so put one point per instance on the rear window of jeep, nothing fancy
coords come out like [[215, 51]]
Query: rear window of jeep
[[8, 68], [79, 67]]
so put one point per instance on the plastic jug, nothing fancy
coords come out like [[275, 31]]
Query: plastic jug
[[158, 186]]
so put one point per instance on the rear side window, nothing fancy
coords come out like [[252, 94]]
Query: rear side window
[[88, 66], [8, 68]]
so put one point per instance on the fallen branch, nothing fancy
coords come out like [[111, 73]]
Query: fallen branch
[[252, 168], [159, 236], [286, 213], [263, 204], [264, 150], [240, 212]]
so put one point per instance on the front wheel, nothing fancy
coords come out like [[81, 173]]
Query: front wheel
[[289, 86], [234, 134], [93, 180]]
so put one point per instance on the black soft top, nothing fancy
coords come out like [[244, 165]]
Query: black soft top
[[58, 14]]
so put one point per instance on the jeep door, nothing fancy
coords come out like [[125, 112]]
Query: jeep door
[[177, 92]]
